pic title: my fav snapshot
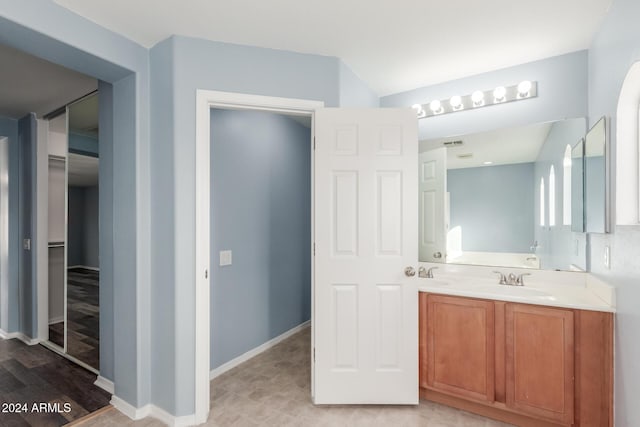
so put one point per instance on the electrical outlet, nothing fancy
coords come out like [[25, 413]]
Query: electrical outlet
[[225, 258], [26, 244], [607, 257]]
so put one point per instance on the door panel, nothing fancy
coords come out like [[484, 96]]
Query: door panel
[[366, 228], [433, 221], [460, 346], [539, 359]]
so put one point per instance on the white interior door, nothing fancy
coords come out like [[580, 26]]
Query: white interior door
[[432, 172], [366, 233]]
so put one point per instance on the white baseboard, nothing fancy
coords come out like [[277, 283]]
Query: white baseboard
[[19, 335], [105, 384], [254, 352], [86, 267], [55, 320], [130, 410], [151, 411]]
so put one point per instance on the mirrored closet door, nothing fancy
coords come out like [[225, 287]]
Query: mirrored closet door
[[74, 269]]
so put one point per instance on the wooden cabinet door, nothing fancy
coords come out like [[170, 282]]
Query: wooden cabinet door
[[460, 346], [539, 361]]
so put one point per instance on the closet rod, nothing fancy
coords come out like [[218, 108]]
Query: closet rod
[[56, 245]]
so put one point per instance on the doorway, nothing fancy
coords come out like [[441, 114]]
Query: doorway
[[73, 232], [205, 259], [260, 229]]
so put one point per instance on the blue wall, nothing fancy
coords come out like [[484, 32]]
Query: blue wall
[[82, 227], [261, 210], [613, 51], [75, 226], [49, 31], [557, 244], [83, 144], [180, 66], [353, 91], [9, 128], [494, 207], [562, 93]]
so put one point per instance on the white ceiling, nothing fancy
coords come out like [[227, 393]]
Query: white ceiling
[[392, 45], [31, 84], [501, 147]]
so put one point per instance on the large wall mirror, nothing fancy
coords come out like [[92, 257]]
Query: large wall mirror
[[510, 197], [597, 178]]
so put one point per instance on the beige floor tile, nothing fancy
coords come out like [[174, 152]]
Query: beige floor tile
[[273, 389]]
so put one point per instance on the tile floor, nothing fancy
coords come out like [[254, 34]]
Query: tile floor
[[273, 389]]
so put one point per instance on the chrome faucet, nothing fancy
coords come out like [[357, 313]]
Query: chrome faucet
[[426, 274], [512, 279]]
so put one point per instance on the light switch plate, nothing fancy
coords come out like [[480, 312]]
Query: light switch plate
[[26, 244], [225, 258], [607, 257]]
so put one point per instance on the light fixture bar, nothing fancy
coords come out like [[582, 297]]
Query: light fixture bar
[[478, 99]]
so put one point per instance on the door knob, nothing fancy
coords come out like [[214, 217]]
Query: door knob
[[409, 271], [437, 255]]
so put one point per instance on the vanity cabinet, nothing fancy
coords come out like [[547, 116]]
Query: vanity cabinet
[[525, 364], [460, 346], [539, 361]]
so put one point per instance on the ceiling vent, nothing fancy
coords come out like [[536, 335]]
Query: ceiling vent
[[455, 143], [465, 156]]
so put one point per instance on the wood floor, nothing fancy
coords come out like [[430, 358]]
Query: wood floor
[[35, 375], [274, 389], [83, 316]]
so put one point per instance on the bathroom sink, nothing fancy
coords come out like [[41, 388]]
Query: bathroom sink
[[522, 291]]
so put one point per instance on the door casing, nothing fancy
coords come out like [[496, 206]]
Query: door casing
[[205, 101]]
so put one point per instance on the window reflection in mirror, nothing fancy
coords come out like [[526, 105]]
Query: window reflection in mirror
[[497, 214]]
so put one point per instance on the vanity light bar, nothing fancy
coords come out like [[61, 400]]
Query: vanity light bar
[[500, 95]]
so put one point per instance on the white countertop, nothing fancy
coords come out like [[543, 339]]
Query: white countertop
[[589, 293]]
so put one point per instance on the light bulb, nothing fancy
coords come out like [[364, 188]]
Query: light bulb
[[435, 106], [487, 163], [478, 98], [524, 89], [456, 102], [499, 93], [418, 108]]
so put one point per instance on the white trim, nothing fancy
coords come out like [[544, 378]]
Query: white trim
[[18, 335], [42, 228], [55, 320], [130, 410], [172, 420], [151, 411], [627, 153], [256, 351], [105, 384], [4, 232], [205, 100], [86, 267]]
